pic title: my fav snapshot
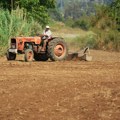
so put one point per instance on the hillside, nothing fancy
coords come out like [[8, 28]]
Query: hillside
[[62, 4]]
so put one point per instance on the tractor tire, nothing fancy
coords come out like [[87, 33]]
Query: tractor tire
[[36, 57], [57, 49], [10, 56], [40, 57], [29, 55]]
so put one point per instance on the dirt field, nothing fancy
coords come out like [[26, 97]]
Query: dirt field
[[69, 90]]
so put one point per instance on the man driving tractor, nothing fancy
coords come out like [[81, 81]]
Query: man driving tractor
[[47, 35], [39, 48]]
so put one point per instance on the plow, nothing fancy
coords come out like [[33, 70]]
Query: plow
[[56, 49], [83, 54]]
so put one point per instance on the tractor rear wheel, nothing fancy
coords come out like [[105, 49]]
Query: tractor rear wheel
[[57, 49], [10, 56], [40, 57], [29, 55]]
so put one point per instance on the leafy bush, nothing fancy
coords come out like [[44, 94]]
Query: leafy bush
[[108, 40], [55, 14], [69, 22], [15, 24], [79, 42], [39, 14], [106, 25], [82, 23], [37, 9], [112, 40]]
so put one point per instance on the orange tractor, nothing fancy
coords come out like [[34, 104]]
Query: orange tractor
[[56, 48]]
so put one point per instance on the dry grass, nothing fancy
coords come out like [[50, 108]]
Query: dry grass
[[75, 37], [60, 29]]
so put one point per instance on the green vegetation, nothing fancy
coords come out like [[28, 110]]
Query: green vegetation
[[22, 17], [15, 24], [105, 24], [37, 9], [81, 24]]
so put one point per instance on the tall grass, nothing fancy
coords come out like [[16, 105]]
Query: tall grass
[[80, 42], [100, 40], [108, 40], [15, 24]]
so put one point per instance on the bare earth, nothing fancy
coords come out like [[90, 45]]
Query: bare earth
[[69, 90]]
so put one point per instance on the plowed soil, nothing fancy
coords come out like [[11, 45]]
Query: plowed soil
[[67, 90]]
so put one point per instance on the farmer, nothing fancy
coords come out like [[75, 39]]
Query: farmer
[[47, 35]]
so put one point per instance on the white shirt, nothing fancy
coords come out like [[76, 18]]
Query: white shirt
[[48, 33]]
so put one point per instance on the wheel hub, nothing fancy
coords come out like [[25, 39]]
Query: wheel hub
[[59, 50], [29, 55]]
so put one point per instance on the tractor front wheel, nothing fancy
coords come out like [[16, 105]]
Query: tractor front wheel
[[29, 55]]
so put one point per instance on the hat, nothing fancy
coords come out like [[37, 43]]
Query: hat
[[47, 26]]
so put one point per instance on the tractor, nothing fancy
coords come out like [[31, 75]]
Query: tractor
[[56, 48]]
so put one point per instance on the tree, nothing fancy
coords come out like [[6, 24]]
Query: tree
[[114, 11], [36, 9]]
